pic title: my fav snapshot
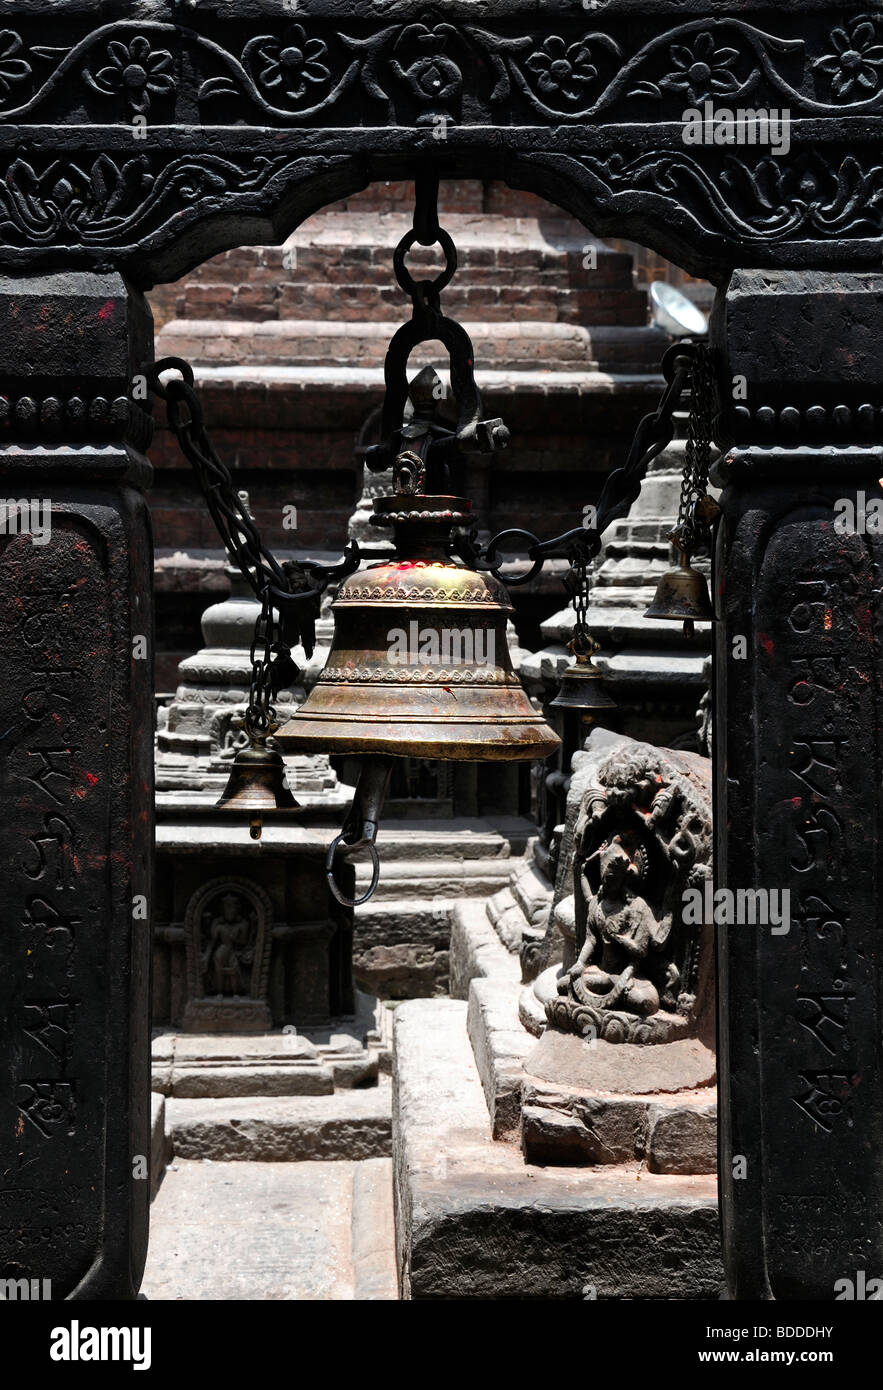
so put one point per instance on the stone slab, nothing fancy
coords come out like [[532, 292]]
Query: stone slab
[[473, 1220], [499, 1045], [314, 1062], [281, 1079], [599, 1066], [352, 1124], [373, 1232], [255, 1231], [673, 1134]]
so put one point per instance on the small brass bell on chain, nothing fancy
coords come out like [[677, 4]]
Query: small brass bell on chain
[[581, 686], [682, 596], [257, 783]]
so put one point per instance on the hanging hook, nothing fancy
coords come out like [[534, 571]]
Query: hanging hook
[[361, 826]]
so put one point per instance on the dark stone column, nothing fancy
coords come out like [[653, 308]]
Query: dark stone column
[[798, 772], [76, 780]]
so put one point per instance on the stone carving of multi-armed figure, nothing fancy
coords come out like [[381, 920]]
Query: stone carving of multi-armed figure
[[642, 838]]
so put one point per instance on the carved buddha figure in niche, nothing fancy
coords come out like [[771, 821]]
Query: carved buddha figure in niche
[[229, 953]]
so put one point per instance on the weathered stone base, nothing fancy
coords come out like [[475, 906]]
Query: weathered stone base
[[351, 1052], [401, 937], [226, 1016], [473, 1220]]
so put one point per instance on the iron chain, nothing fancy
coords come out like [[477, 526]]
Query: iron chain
[[691, 527], [291, 589]]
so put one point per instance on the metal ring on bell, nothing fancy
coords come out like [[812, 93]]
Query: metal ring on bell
[[332, 883]]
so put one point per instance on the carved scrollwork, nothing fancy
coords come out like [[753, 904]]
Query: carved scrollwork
[[544, 93], [110, 201], [296, 69]]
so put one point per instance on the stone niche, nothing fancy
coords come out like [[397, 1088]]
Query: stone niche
[[227, 926], [242, 947]]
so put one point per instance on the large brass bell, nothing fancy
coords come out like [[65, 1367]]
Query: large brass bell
[[682, 596], [419, 665], [256, 784]]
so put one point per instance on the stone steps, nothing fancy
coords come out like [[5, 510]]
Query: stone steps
[[508, 342], [348, 1125], [444, 881], [402, 936], [457, 839], [477, 1221]]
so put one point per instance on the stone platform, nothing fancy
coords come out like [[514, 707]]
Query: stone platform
[[473, 1220], [268, 1231], [350, 1052]]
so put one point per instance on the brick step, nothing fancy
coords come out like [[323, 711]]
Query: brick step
[[361, 301], [340, 265], [332, 243], [306, 343]]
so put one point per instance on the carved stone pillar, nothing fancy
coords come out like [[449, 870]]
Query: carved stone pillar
[[797, 732], [77, 787]]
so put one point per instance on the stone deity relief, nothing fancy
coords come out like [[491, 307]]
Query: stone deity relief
[[228, 930], [642, 838]]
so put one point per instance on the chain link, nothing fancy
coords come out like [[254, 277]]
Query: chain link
[[578, 586], [691, 529], [292, 588]]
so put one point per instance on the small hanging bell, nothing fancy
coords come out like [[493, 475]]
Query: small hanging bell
[[581, 689], [682, 596], [256, 784]]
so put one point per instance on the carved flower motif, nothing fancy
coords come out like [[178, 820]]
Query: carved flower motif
[[12, 69], [66, 195], [420, 60], [561, 69], [136, 70], [855, 60], [702, 71], [292, 63]]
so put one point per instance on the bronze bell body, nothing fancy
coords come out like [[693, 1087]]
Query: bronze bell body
[[581, 688], [419, 665], [256, 785], [682, 597]]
